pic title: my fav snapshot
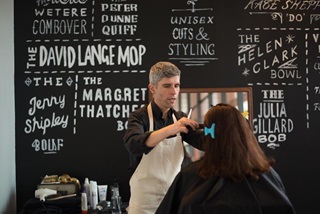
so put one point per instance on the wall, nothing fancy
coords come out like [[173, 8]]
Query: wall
[[80, 68], [7, 141]]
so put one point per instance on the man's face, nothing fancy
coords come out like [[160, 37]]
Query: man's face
[[166, 91]]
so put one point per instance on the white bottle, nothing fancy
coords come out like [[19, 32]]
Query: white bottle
[[86, 187], [84, 204], [94, 194]]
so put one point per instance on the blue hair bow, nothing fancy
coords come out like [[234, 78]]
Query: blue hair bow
[[210, 130]]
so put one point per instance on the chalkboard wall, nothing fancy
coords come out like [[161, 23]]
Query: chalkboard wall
[[82, 66]]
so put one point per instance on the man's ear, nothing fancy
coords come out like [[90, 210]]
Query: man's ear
[[151, 88]]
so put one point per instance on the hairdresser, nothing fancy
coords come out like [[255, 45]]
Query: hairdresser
[[154, 139]]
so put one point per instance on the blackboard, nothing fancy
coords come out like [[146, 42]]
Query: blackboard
[[82, 66]]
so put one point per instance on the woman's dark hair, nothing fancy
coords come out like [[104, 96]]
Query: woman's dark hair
[[234, 152]]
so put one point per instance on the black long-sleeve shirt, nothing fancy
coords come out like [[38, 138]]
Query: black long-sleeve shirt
[[138, 132]]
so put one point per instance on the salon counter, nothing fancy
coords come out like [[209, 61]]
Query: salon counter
[[108, 210], [71, 205]]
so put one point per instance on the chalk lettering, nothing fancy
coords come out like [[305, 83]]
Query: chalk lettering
[[194, 20], [45, 102], [315, 37], [92, 80], [245, 39], [301, 5], [47, 81], [64, 12], [122, 125], [32, 57], [107, 94], [101, 54], [43, 123], [182, 33], [284, 74], [197, 49], [47, 145], [254, 53], [274, 125], [119, 7], [272, 94], [119, 29], [271, 139], [119, 18], [272, 110], [59, 27], [131, 55], [91, 55], [63, 2], [262, 5], [107, 110]]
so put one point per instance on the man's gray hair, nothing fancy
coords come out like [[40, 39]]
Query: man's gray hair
[[161, 70]]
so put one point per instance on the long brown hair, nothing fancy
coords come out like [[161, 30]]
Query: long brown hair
[[234, 152]]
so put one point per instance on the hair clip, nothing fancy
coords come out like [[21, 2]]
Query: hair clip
[[210, 130], [245, 114]]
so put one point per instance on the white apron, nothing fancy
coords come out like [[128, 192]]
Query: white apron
[[155, 173]]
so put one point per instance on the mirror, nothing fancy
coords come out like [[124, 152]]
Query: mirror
[[201, 99]]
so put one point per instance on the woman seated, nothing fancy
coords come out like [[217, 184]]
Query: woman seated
[[233, 176]]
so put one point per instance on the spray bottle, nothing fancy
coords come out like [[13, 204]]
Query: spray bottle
[[115, 198]]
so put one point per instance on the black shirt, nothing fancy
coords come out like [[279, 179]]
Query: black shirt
[[138, 132]]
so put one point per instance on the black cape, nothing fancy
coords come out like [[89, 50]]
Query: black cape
[[191, 194]]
